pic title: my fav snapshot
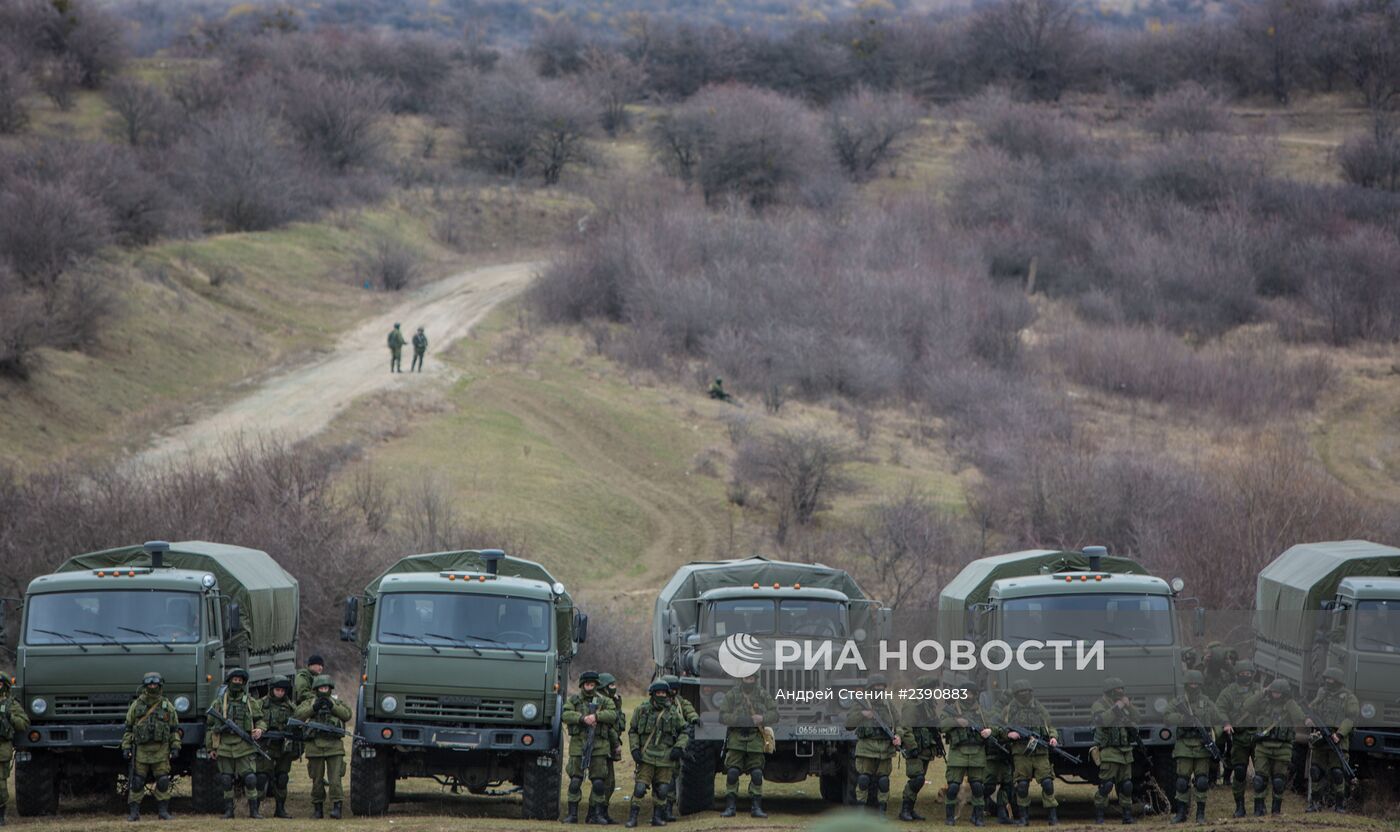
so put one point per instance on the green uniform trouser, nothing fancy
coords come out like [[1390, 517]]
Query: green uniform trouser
[[745, 762], [1114, 773], [1034, 767], [1273, 762], [1326, 767], [1191, 774], [238, 768], [1241, 753], [873, 771], [653, 776], [325, 771], [5, 783], [597, 770], [417, 360], [395, 358], [150, 773], [917, 769], [999, 775], [275, 773], [974, 774]]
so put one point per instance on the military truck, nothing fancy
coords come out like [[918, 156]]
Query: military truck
[[466, 658], [1337, 603], [189, 610], [705, 603], [1088, 596]]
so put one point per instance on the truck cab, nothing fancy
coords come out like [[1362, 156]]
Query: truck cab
[[1365, 643]]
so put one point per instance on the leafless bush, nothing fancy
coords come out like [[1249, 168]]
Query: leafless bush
[[514, 122], [390, 265], [14, 89], [615, 81], [1024, 131], [565, 121], [1351, 285], [619, 640], [1188, 110], [142, 114], [799, 470], [93, 37], [59, 79], [867, 129], [1037, 45], [47, 227], [243, 177], [337, 121], [910, 547], [1371, 162], [676, 138]]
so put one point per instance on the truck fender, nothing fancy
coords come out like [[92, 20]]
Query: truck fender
[[556, 724], [359, 711]]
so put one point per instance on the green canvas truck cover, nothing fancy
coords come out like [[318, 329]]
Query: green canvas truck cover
[[470, 560], [1300, 579], [268, 596], [694, 579]]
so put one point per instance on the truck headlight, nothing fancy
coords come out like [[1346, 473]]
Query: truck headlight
[[718, 699], [182, 703], [1368, 711], [38, 707], [1159, 705], [389, 703], [529, 711]]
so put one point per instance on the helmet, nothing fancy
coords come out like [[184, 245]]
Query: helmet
[[152, 678], [1280, 686], [237, 672], [280, 682], [968, 682], [322, 681], [1022, 686], [588, 676], [1112, 683], [673, 681], [1195, 677], [1244, 666], [1333, 674], [606, 679], [316, 659], [397, 324], [658, 687], [4, 681], [928, 680], [877, 679]]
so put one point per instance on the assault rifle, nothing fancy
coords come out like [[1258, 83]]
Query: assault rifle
[[236, 730], [1331, 743], [590, 736], [1207, 737], [991, 738], [310, 725], [1037, 740]]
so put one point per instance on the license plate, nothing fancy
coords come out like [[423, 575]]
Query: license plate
[[809, 731], [462, 739]]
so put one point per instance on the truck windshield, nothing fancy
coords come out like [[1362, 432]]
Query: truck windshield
[[1140, 620], [454, 619], [1378, 626], [112, 615], [790, 616]]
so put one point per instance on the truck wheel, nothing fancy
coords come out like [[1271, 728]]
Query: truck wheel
[[369, 784], [539, 790], [36, 784], [696, 785], [206, 796], [840, 787], [1164, 771]]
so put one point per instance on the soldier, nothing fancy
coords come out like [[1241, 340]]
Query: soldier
[[1230, 703], [1280, 716], [718, 393], [325, 750], [151, 741], [918, 742], [691, 717], [876, 743], [658, 737], [1218, 665], [315, 666], [607, 684], [234, 755], [420, 347], [1115, 721], [12, 720], [396, 350], [967, 731], [1000, 771], [586, 710], [278, 707], [1031, 761], [1338, 709], [747, 709], [1194, 716]]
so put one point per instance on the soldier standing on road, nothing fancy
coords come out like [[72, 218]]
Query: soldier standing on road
[[1031, 762], [151, 741], [579, 720], [13, 720], [325, 750], [691, 717], [234, 755], [1230, 703], [1338, 709], [918, 741], [1280, 716], [396, 349], [1115, 727], [315, 666], [420, 348], [607, 684], [875, 746], [1193, 759], [278, 707], [658, 738], [747, 710], [966, 730]]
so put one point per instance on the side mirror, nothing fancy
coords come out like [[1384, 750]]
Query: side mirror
[[233, 619], [580, 627], [352, 618], [1198, 624]]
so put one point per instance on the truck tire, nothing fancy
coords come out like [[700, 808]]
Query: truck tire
[[539, 790], [695, 788], [206, 796], [1164, 771], [840, 787], [369, 784], [36, 784]]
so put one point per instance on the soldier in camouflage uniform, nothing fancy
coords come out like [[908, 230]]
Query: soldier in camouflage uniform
[[918, 743], [967, 730], [617, 732], [396, 349], [1338, 709], [588, 708], [1115, 721], [691, 717], [875, 746], [1031, 763], [1000, 775], [273, 775], [1230, 703], [1279, 719], [13, 720], [151, 740], [658, 738], [1192, 757], [234, 756], [301, 690], [746, 710], [325, 750]]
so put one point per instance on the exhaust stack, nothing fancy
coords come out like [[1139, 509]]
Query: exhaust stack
[[156, 549], [1095, 555], [492, 558]]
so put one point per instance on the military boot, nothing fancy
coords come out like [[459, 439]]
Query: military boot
[[335, 810], [572, 816], [1277, 808], [756, 807], [2, 815], [603, 813], [669, 813], [316, 813], [1098, 816], [1259, 807], [1239, 806], [906, 810], [228, 809], [632, 814], [730, 806], [255, 814], [952, 818], [591, 819], [1003, 813], [1023, 815], [1180, 815], [656, 819], [881, 808], [133, 812], [978, 815], [1200, 811], [281, 810], [1054, 816], [1127, 813], [163, 810]]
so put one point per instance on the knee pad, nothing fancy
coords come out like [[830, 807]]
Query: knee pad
[[756, 776], [639, 791], [1279, 785], [282, 780], [163, 783], [1259, 784], [732, 777], [250, 781], [1202, 782], [1335, 775], [663, 791], [1241, 772], [1125, 790], [1182, 785], [884, 784], [862, 781], [226, 781], [916, 783], [575, 783], [979, 789], [263, 780], [1023, 788], [137, 782], [599, 784], [1047, 786], [953, 789], [1105, 787], [1317, 773]]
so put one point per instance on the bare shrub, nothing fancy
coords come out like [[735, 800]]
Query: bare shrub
[[615, 82], [390, 265], [95, 39], [676, 138], [337, 121], [619, 640], [1371, 162], [910, 547], [867, 129], [515, 122], [1188, 110], [59, 79], [14, 89], [142, 114], [239, 172], [47, 227], [799, 470], [1351, 284], [565, 121], [1037, 45], [1024, 131]]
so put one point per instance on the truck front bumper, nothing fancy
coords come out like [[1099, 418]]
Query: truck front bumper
[[61, 735], [413, 735], [1376, 741]]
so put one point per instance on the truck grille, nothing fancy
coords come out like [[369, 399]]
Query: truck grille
[[791, 679], [95, 706], [1065, 710], [1391, 715], [458, 708]]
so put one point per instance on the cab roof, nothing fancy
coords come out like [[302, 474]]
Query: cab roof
[[179, 580], [1366, 589], [782, 593], [1080, 583], [465, 583]]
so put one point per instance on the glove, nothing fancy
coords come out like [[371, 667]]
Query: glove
[[677, 753], [126, 753], [637, 756], [174, 752]]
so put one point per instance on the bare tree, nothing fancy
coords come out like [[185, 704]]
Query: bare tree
[[911, 545], [565, 120], [236, 168], [868, 129], [14, 89], [498, 119], [799, 470], [1373, 63], [95, 38], [1038, 45], [142, 112], [1280, 39], [47, 227], [676, 138], [616, 82], [338, 121], [1188, 110], [59, 78]]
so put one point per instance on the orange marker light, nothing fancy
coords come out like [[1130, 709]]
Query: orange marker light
[[775, 584], [451, 577], [33, 736], [101, 574], [755, 584], [797, 586], [131, 573], [208, 677], [481, 578], [387, 733], [528, 739]]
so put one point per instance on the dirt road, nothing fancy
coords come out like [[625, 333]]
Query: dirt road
[[302, 401]]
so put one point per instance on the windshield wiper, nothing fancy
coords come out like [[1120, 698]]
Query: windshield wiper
[[1124, 637], [489, 640], [457, 641], [419, 639], [65, 636], [1373, 640], [109, 638], [152, 637]]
